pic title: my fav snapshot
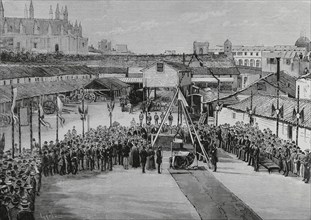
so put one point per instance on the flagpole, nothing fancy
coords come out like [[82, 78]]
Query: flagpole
[[83, 114], [12, 93], [298, 114], [30, 126], [57, 112], [39, 122], [19, 131]]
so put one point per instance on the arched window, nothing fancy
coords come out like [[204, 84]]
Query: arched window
[[240, 62], [245, 62], [257, 63], [201, 51], [252, 63]]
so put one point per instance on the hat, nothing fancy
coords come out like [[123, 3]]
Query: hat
[[24, 204]]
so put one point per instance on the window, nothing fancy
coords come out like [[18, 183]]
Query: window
[[17, 80], [233, 53], [4, 82], [257, 54], [160, 67], [233, 115], [288, 61], [257, 63], [245, 62], [252, 63], [34, 45], [29, 80], [240, 62], [230, 76], [11, 81], [251, 53], [245, 53], [239, 53]]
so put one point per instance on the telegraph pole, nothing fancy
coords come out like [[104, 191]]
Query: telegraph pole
[[57, 113], [83, 113], [39, 122], [298, 114], [12, 93], [30, 125], [278, 96]]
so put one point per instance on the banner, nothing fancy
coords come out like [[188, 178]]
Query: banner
[[15, 118], [60, 110], [42, 121]]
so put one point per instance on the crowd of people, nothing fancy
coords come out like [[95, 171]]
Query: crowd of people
[[255, 147], [102, 148], [20, 184]]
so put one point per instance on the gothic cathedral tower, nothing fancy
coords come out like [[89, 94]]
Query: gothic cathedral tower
[[31, 11], [1, 10]]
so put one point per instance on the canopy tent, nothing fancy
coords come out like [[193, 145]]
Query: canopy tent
[[107, 84]]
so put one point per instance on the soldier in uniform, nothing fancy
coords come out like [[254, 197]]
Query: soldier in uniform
[[214, 158], [143, 158], [256, 153], [307, 165], [45, 163], [170, 119], [156, 119], [159, 158], [141, 118], [149, 118]]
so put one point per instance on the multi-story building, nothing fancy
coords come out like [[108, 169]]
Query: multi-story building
[[104, 46], [30, 34], [252, 55], [200, 47], [121, 48]]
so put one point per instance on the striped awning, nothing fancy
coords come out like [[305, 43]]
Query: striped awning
[[211, 80], [131, 80]]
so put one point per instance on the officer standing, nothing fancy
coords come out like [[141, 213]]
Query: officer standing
[[170, 119], [143, 158], [214, 158], [159, 158]]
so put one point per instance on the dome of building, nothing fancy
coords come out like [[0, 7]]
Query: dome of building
[[303, 42]]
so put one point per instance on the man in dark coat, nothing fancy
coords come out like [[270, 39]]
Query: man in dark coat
[[214, 158], [143, 158], [159, 158], [120, 153], [135, 157], [126, 153]]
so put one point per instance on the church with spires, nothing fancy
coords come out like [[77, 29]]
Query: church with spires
[[55, 34]]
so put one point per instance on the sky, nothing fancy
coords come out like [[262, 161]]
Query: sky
[[153, 26]]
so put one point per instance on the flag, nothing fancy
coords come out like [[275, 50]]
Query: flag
[[281, 112], [60, 110], [302, 115], [294, 113], [14, 117], [59, 105], [2, 145], [182, 99], [42, 121]]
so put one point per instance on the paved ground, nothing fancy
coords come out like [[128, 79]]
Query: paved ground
[[271, 196], [120, 194]]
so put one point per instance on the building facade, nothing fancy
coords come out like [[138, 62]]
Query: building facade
[[30, 34], [104, 46], [200, 47]]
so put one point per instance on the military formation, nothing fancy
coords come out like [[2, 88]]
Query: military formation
[[256, 147]]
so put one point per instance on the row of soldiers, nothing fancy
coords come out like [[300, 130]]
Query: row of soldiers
[[253, 145], [156, 118], [20, 183]]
